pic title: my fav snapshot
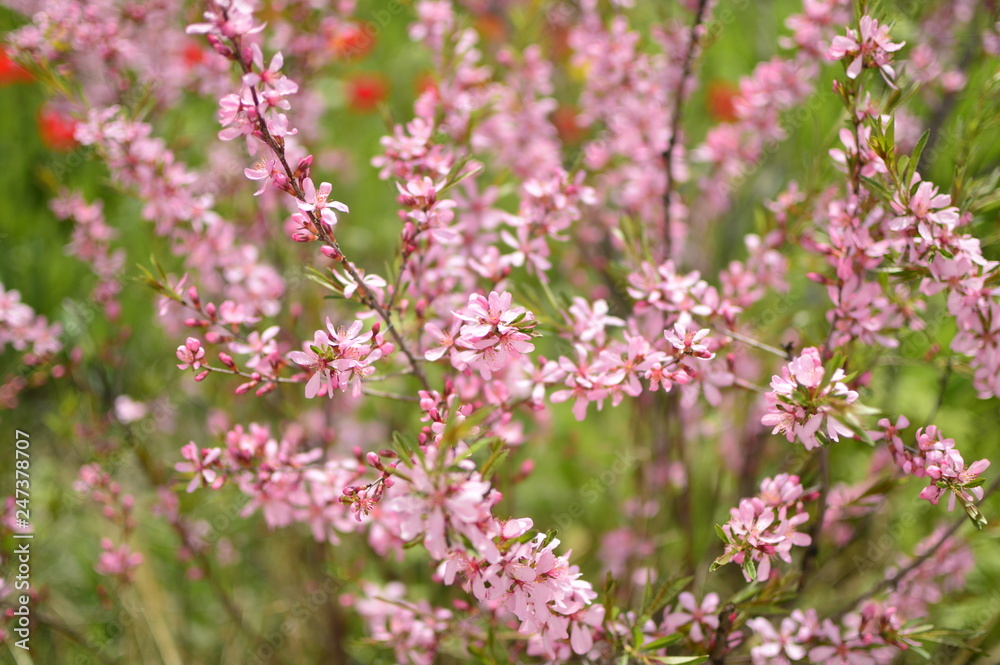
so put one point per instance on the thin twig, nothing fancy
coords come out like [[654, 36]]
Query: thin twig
[[949, 100], [891, 582], [675, 120], [379, 393], [721, 642], [942, 388], [809, 558], [366, 294], [781, 353]]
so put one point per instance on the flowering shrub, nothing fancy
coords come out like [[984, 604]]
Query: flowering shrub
[[380, 356]]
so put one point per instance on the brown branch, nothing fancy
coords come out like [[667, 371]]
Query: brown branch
[[675, 121], [367, 296], [721, 641], [949, 101], [809, 558], [891, 582]]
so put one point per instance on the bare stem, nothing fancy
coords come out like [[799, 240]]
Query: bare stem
[[675, 120], [781, 353], [721, 642], [891, 582], [809, 558]]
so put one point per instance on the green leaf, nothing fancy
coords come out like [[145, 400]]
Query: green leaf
[[978, 519], [721, 561], [902, 163], [457, 178], [407, 449], [637, 634], [678, 660], [665, 594], [745, 593], [477, 446], [890, 134], [661, 642], [750, 567], [323, 280], [721, 534], [499, 453], [915, 157], [877, 188]]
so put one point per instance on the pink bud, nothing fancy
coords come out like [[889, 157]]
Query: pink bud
[[201, 376], [374, 461], [304, 167], [265, 389], [220, 47], [304, 236], [331, 253]]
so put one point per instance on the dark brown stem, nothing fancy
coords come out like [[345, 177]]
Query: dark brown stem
[[364, 292], [809, 558], [721, 642], [891, 582], [675, 120], [948, 102]]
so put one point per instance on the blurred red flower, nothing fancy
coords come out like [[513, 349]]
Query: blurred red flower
[[56, 129], [564, 118], [366, 91], [10, 71], [721, 98], [351, 42]]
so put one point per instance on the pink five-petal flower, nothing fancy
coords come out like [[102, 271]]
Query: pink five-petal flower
[[199, 463]]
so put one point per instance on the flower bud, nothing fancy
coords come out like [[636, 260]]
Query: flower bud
[[331, 253]]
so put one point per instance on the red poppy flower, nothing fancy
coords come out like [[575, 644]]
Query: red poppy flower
[[10, 71], [564, 118], [56, 129], [351, 42], [366, 91], [721, 96]]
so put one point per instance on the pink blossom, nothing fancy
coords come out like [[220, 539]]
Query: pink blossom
[[203, 464], [118, 561], [872, 49], [776, 643], [493, 332], [801, 401], [317, 199], [258, 344]]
